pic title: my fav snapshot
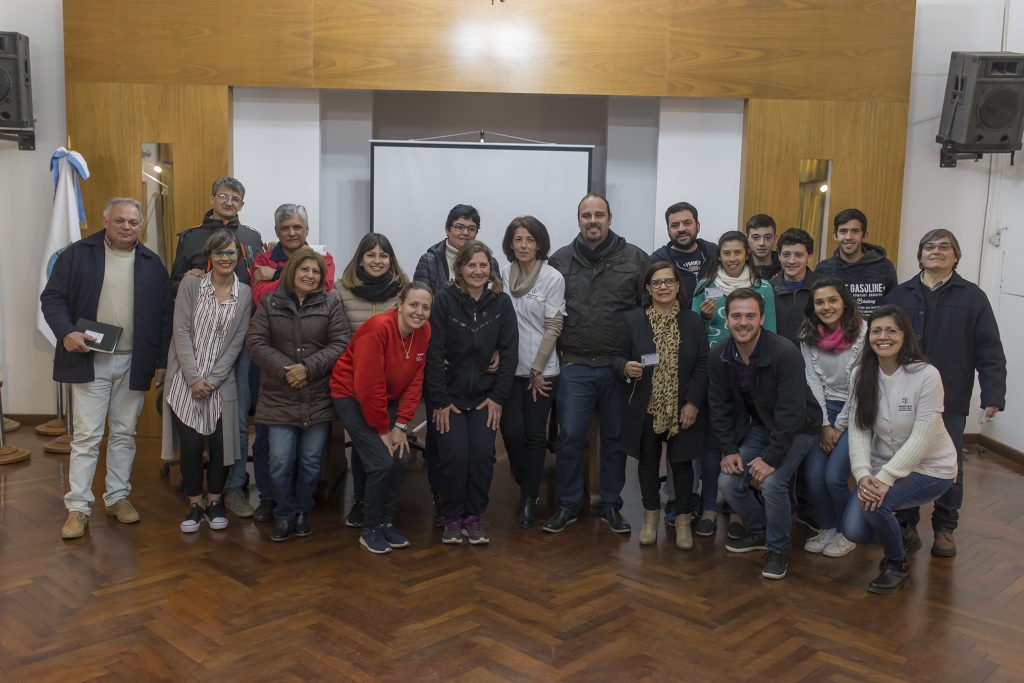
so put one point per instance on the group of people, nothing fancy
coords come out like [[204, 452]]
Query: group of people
[[759, 381]]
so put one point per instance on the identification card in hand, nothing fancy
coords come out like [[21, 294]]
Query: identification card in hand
[[712, 292], [649, 359]]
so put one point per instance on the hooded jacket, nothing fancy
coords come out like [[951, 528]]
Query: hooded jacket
[[968, 340], [868, 280], [687, 280], [464, 333], [189, 253], [596, 296]]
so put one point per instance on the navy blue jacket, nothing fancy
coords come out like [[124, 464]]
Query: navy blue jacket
[[73, 292], [966, 339]]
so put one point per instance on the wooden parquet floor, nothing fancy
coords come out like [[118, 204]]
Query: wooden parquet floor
[[145, 602]]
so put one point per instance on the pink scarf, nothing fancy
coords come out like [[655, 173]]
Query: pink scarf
[[832, 342]]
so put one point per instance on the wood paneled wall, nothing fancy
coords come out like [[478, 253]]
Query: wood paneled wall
[[799, 49], [864, 140], [108, 122]]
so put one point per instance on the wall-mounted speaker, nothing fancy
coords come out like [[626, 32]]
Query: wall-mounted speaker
[[983, 110], [15, 82]]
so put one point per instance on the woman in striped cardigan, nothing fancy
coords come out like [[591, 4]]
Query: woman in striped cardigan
[[211, 314]]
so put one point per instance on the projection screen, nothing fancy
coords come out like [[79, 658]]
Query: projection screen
[[415, 184]]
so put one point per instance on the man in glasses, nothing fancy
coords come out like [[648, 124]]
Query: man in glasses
[[227, 196], [96, 280], [958, 332], [435, 269]]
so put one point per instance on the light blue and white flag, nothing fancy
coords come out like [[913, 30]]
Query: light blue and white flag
[[65, 222]]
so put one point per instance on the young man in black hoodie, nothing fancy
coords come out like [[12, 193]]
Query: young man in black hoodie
[[603, 279], [692, 256], [862, 267], [227, 197]]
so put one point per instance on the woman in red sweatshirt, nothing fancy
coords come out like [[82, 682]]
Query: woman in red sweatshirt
[[376, 386]]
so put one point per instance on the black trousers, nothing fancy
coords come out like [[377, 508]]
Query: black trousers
[[466, 463], [192, 445], [385, 473], [524, 429], [648, 470]]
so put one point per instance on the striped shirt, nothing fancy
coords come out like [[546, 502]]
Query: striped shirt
[[209, 326]]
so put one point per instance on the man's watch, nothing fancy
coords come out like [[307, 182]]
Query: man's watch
[[402, 426]]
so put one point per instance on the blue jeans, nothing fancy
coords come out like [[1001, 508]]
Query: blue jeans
[[261, 443], [236, 471], [946, 512], [581, 389], [826, 475], [774, 518], [295, 455], [881, 524], [710, 469]]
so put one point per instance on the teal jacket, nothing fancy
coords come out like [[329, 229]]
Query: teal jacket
[[715, 327]]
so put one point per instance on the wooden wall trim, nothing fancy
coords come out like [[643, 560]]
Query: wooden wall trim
[[999, 448], [808, 49]]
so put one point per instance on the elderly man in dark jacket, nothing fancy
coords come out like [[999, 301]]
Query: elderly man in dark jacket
[[958, 332], [108, 277], [603, 279], [766, 420]]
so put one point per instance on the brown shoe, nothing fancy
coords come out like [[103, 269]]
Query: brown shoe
[[75, 525], [123, 510], [944, 545]]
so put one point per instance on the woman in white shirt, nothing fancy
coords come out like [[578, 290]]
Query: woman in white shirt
[[538, 297], [831, 339], [900, 452]]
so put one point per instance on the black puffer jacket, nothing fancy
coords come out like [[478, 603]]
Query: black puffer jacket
[[596, 297], [464, 333], [284, 333], [189, 253]]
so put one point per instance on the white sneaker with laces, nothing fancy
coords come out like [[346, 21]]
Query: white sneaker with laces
[[839, 547], [818, 542]]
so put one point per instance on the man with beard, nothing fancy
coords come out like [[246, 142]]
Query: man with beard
[[766, 420], [862, 267], [603, 279], [692, 256]]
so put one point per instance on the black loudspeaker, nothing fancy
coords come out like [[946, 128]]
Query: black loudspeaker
[[15, 82], [983, 110]]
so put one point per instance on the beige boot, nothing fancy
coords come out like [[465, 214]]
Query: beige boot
[[75, 525], [684, 537], [649, 531]]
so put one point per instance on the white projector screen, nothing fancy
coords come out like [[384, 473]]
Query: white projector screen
[[415, 185]]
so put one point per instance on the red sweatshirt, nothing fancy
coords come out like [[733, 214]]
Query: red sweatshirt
[[374, 370], [277, 260]]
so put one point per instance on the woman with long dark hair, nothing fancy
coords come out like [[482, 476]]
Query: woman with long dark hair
[[376, 385], [831, 340], [538, 297], [471, 319], [733, 268], [211, 316], [663, 360], [295, 337], [369, 285], [900, 452]]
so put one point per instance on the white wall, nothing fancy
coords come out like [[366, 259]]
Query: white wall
[[346, 126], [276, 154], [26, 195], [700, 144], [976, 199], [631, 179]]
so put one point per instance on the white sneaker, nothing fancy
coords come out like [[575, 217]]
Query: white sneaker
[[818, 542], [839, 547]]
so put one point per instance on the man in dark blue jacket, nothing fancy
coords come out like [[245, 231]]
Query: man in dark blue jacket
[[108, 277], [958, 332], [766, 420], [692, 256]]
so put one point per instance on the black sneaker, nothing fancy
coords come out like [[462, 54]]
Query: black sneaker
[[375, 541], [775, 566], [615, 521], [735, 531], [264, 512], [215, 516], [705, 527], [355, 515], [394, 537], [746, 543], [302, 525], [282, 530], [194, 519], [560, 521]]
